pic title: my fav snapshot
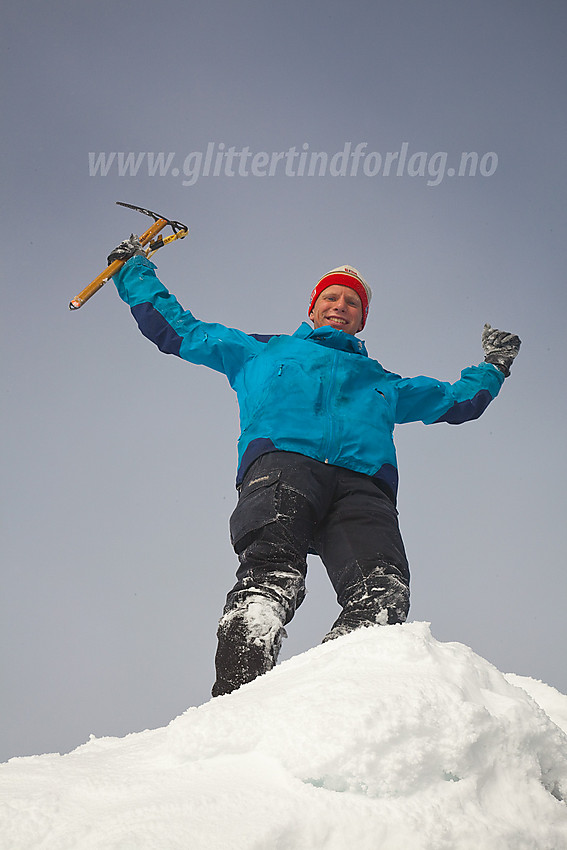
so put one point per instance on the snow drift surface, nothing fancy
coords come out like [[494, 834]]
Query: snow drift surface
[[385, 738]]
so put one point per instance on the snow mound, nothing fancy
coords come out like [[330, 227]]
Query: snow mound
[[385, 738]]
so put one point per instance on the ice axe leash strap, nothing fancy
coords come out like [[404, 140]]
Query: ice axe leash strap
[[150, 240]]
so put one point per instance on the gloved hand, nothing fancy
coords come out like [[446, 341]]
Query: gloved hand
[[128, 248], [500, 348]]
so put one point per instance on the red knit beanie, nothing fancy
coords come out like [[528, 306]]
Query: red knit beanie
[[344, 276]]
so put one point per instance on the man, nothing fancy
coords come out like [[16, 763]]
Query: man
[[316, 459]]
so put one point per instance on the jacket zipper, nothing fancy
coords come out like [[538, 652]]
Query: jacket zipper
[[328, 397]]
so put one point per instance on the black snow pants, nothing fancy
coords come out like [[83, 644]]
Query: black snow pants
[[291, 505]]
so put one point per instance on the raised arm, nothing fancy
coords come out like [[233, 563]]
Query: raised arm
[[174, 330], [429, 400]]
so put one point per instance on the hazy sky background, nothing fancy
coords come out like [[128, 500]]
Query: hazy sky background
[[119, 462]]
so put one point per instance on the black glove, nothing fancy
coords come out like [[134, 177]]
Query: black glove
[[129, 248], [500, 348]]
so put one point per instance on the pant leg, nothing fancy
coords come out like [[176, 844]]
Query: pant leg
[[272, 529], [362, 549]]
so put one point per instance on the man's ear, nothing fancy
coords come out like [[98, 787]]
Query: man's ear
[[311, 314]]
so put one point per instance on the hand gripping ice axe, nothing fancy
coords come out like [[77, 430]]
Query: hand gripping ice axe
[[150, 239]]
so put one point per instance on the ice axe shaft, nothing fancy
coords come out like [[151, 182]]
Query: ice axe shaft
[[99, 281]]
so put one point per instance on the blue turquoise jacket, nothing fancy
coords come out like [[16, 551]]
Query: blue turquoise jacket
[[315, 392]]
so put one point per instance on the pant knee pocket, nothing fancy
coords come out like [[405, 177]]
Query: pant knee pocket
[[257, 505]]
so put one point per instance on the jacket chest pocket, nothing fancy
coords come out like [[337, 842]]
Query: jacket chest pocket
[[376, 408]]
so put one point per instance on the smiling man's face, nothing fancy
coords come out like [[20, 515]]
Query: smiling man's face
[[338, 307]]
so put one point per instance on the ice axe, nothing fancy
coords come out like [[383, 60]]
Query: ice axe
[[149, 238]]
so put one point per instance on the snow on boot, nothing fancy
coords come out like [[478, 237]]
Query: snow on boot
[[378, 599], [249, 641]]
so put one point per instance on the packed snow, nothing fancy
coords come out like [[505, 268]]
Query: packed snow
[[384, 739]]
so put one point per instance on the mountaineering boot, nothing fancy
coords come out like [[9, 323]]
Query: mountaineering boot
[[378, 599], [249, 641]]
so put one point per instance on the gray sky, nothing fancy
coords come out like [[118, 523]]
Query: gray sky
[[119, 462]]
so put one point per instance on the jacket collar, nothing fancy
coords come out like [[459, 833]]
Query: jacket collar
[[332, 338]]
